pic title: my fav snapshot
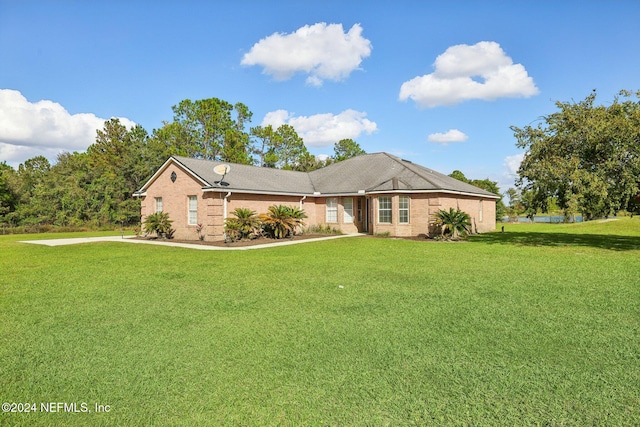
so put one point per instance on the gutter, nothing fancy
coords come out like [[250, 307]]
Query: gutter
[[249, 191], [348, 194], [461, 193]]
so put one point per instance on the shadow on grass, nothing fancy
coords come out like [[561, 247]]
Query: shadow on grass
[[602, 241]]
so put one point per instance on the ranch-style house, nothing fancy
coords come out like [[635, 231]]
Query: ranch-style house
[[371, 193]]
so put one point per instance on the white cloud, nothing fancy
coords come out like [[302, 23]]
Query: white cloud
[[324, 51], [28, 129], [512, 164], [275, 118], [323, 130], [453, 135], [509, 175], [463, 72]]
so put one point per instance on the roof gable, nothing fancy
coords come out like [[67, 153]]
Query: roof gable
[[170, 161], [249, 178]]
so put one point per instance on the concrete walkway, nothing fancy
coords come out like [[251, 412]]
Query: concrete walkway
[[132, 239]]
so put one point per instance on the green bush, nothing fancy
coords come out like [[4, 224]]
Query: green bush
[[245, 225], [322, 229], [282, 221], [159, 224], [453, 223]]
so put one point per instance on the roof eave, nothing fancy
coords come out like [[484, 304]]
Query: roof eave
[[210, 189], [461, 193]]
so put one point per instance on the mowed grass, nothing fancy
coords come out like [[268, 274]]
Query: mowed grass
[[539, 325]]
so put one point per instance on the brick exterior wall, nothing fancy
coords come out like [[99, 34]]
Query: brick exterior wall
[[175, 200], [422, 210], [211, 208]]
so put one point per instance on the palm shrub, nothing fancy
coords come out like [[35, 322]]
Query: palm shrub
[[231, 230], [245, 225], [453, 222], [159, 224], [282, 221]]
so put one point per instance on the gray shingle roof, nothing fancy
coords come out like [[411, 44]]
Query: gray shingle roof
[[371, 173], [250, 178]]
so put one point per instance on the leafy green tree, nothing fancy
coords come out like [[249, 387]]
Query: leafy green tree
[[634, 205], [266, 140], [453, 222], [283, 148], [485, 184], [290, 150], [515, 207], [346, 149], [585, 156], [308, 162], [118, 168], [58, 196], [32, 171], [456, 174], [211, 129], [172, 139], [9, 195]]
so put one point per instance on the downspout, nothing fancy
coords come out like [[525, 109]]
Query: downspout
[[224, 215], [301, 200]]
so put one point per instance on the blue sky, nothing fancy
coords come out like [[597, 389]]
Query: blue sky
[[438, 83]]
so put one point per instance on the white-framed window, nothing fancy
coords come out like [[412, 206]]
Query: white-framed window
[[332, 209], [480, 212], [193, 210], [158, 204], [348, 210], [403, 210], [384, 209]]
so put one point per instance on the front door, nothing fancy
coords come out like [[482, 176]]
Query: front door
[[365, 218]]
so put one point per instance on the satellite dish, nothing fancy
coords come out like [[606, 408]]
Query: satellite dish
[[223, 170]]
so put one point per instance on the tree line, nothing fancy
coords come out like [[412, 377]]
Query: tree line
[[94, 188], [583, 159]]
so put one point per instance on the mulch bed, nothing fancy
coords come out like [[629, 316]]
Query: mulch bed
[[266, 241], [239, 243]]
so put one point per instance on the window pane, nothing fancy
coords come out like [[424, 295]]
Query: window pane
[[404, 202], [348, 210], [193, 210], [403, 210], [385, 202], [332, 209], [384, 209], [158, 204]]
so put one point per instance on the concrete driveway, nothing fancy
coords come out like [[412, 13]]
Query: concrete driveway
[[132, 239]]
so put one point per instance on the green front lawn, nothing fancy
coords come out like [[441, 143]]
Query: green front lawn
[[537, 325]]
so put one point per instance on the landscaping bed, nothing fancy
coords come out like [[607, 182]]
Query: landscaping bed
[[240, 243]]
